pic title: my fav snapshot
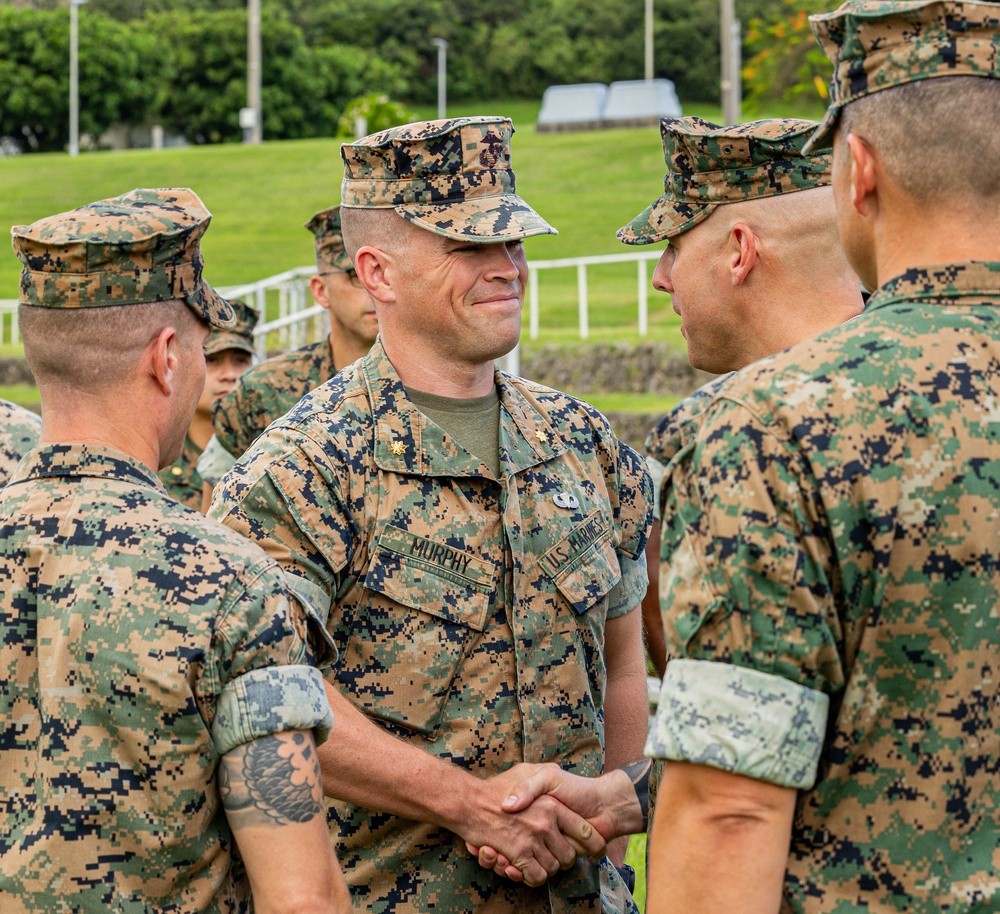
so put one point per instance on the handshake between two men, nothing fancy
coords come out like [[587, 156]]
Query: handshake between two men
[[554, 816]]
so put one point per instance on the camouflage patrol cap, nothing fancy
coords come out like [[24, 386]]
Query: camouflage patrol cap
[[331, 256], [141, 247], [240, 335], [709, 165], [877, 45], [451, 177]]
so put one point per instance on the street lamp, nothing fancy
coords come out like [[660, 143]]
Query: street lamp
[[74, 77], [442, 47], [649, 40], [251, 117]]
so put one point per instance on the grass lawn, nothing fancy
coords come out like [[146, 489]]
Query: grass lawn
[[586, 184], [636, 858]]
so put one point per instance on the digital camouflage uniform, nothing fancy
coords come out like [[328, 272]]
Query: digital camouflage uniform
[[267, 391], [270, 389], [420, 552], [709, 166], [469, 611], [831, 611], [19, 430], [182, 479], [139, 642]]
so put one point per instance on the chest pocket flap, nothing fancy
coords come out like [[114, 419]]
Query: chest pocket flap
[[583, 564], [431, 577]]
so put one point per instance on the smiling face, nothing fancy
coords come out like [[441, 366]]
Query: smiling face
[[458, 301], [692, 270]]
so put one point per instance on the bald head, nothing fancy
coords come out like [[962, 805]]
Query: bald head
[[797, 234]]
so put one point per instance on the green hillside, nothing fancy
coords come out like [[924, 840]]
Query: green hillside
[[586, 184]]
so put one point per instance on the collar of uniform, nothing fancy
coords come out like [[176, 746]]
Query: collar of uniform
[[973, 278], [528, 439], [67, 460], [406, 441]]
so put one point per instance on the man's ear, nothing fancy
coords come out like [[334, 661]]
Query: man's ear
[[318, 289], [742, 254], [163, 360], [864, 174], [375, 270]]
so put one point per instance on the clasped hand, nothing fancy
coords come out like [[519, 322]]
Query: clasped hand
[[547, 818]]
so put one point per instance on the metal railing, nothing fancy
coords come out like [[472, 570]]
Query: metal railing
[[299, 320], [580, 264], [9, 331]]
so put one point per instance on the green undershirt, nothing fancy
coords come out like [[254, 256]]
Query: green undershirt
[[474, 423]]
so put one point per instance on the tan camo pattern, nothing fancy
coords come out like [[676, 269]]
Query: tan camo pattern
[[331, 256], [469, 616], [878, 45], [240, 335], [126, 618], [143, 246], [451, 177], [709, 165], [19, 430]]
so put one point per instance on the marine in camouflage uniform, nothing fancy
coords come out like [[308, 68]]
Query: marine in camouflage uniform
[[228, 353], [143, 648], [729, 190], [831, 612], [270, 389], [473, 606], [19, 428]]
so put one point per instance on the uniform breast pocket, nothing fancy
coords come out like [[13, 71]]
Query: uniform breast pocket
[[583, 565], [424, 602]]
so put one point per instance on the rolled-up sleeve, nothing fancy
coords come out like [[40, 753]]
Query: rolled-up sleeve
[[271, 700], [740, 720]]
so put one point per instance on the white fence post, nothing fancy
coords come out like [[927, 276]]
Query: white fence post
[[643, 300], [533, 303], [581, 298]]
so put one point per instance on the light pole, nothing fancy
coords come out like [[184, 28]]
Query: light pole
[[649, 40], [442, 47], [74, 77], [729, 48], [253, 120]]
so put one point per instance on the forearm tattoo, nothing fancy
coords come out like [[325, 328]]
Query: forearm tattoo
[[274, 780], [638, 774]]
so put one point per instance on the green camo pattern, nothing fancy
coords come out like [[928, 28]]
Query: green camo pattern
[[181, 479], [143, 246], [426, 557], [239, 335], [841, 519], [708, 165], [451, 177], [331, 255], [877, 45], [19, 429], [267, 391], [125, 618]]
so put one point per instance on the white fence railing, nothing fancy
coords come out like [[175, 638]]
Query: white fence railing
[[580, 264], [9, 332], [300, 320]]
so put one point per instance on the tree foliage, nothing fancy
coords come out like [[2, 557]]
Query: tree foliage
[[786, 63], [182, 63]]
